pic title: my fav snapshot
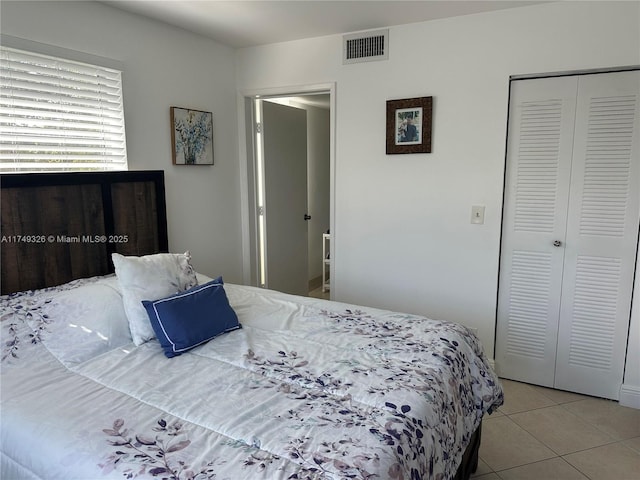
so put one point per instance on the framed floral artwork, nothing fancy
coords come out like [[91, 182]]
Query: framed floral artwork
[[191, 137], [409, 125]]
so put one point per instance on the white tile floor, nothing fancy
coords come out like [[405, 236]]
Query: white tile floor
[[545, 434]]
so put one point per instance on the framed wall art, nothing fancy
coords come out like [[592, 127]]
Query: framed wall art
[[409, 125], [191, 137]]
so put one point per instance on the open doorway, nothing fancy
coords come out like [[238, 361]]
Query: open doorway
[[290, 190]]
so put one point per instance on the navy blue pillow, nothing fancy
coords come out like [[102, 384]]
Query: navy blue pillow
[[191, 318]]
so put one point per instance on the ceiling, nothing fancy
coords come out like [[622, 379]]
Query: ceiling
[[246, 23]]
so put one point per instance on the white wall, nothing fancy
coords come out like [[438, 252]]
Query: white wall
[[402, 234], [163, 67]]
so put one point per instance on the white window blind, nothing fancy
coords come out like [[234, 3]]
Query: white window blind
[[59, 115]]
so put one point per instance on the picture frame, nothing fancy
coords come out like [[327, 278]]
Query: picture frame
[[191, 136], [409, 125]]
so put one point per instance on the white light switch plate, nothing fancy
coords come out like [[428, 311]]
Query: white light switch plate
[[477, 214]]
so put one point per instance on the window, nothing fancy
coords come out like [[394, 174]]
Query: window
[[59, 115]]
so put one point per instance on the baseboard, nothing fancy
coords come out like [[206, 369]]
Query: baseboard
[[629, 396]]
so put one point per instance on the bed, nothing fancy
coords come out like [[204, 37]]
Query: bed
[[300, 388]]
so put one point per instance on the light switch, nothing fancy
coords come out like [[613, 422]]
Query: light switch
[[477, 214]]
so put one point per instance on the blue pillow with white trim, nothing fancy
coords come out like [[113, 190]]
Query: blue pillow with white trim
[[190, 318]]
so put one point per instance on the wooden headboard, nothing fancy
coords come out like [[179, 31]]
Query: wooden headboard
[[57, 227]]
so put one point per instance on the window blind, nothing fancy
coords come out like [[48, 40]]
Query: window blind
[[59, 115]]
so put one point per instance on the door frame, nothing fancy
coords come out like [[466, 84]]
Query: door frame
[[247, 153]]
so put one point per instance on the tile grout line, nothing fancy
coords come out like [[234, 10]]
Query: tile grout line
[[545, 460], [609, 438]]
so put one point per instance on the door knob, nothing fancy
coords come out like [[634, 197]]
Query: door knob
[[307, 216], [557, 243]]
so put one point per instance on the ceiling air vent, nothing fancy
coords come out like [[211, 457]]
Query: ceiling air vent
[[365, 46]]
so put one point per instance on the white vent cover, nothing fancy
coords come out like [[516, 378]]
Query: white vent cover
[[365, 46]]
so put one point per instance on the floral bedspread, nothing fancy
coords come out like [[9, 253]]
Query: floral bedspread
[[307, 389]]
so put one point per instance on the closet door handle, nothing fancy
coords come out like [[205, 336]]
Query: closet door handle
[[557, 243]]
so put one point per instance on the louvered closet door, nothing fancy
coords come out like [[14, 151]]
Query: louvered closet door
[[570, 231], [602, 235], [540, 142]]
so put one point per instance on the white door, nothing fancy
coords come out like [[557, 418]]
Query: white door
[[540, 144], [569, 231], [285, 188], [602, 235]]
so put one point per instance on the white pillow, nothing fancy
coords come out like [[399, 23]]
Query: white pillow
[[149, 278], [82, 322], [91, 321]]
